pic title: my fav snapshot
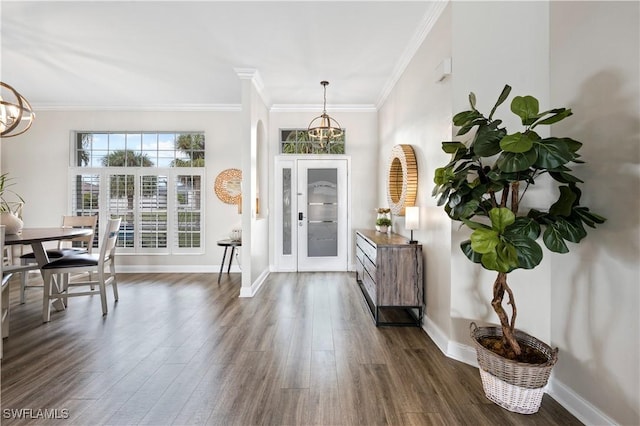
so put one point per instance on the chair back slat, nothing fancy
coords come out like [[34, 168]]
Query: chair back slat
[[85, 222], [109, 239]]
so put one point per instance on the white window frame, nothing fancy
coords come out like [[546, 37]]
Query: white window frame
[[171, 173]]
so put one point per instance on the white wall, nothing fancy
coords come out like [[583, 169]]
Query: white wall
[[595, 71], [39, 159], [418, 113], [255, 230]]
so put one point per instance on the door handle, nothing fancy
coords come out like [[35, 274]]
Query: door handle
[[300, 216]]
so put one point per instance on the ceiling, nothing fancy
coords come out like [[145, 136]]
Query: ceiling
[[179, 54]]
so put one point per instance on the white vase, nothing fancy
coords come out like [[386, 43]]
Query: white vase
[[13, 224]]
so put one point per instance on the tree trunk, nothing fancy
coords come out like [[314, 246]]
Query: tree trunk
[[499, 288]]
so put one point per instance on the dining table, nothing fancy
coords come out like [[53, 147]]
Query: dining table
[[36, 238]]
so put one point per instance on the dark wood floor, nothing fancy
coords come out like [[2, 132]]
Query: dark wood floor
[[181, 349]]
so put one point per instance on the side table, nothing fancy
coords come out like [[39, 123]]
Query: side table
[[226, 244]]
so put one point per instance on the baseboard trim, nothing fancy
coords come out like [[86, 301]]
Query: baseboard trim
[[454, 350], [173, 269], [436, 334], [586, 412], [251, 291]]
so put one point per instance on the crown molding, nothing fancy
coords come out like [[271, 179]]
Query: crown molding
[[254, 75], [318, 108], [141, 108], [430, 18]]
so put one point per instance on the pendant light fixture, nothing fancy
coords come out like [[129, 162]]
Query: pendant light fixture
[[16, 114], [323, 128]]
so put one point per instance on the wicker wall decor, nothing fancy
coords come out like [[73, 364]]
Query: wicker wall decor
[[402, 182], [227, 186]]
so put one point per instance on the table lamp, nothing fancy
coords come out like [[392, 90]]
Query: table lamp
[[412, 220]]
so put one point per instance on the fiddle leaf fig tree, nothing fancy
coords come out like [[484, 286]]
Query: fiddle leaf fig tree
[[484, 184]]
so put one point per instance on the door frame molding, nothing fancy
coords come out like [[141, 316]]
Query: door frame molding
[[289, 263]]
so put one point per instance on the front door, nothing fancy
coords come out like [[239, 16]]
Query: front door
[[314, 217]]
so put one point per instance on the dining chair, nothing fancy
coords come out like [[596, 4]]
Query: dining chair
[[78, 245], [85, 262]]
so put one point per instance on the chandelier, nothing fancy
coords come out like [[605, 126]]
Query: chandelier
[[323, 128], [16, 114]]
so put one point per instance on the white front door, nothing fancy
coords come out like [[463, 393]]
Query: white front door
[[312, 214]]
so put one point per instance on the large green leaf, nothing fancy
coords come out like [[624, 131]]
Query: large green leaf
[[529, 252], [552, 153], [443, 175], [523, 226], [443, 198], [564, 204], [464, 117], [468, 209], [486, 142], [525, 107], [572, 144], [517, 142], [564, 177], [570, 230], [503, 259], [465, 129], [475, 225], [516, 162], [455, 199], [503, 97], [468, 251], [553, 240], [484, 240], [558, 115], [472, 100], [588, 217], [452, 147], [501, 217]]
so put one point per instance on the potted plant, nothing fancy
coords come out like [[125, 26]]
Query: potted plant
[[483, 186], [10, 211], [382, 212], [383, 224]]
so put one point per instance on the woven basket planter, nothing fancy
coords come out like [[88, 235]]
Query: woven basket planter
[[515, 386]]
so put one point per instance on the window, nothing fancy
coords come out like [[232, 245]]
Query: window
[[153, 181], [297, 141]]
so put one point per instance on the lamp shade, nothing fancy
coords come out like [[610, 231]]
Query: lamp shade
[[412, 217]]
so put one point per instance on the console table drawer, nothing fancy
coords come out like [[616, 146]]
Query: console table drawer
[[370, 286], [366, 247], [370, 267]]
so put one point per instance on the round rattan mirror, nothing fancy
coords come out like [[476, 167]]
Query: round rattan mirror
[[402, 181]]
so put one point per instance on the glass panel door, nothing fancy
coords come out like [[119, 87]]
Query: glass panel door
[[322, 215]]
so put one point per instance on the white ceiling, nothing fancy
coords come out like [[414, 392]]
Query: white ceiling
[[181, 54]]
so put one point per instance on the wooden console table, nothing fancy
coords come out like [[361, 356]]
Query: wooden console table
[[389, 272]]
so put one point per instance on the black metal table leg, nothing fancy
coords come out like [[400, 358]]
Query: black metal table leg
[[224, 256], [230, 259]]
